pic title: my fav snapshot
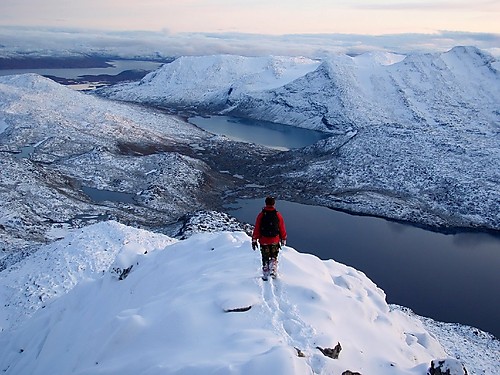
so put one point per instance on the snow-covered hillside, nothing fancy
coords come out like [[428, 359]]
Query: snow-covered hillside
[[456, 87], [415, 137], [210, 81], [111, 299], [72, 140]]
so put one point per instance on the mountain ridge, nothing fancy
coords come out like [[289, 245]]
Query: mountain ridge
[[435, 167], [159, 319], [394, 81]]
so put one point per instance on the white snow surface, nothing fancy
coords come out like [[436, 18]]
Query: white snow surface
[[420, 126], [458, 87], [65, 310], [209, 78], [3, 125]]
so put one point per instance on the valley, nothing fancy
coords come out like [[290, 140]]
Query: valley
[[440, 176], [69, 159]]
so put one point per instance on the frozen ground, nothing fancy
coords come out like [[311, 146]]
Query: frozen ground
[[414, 137], [430, 159], [116, 299]]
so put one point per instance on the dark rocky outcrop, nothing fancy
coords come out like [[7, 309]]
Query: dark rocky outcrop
[[448, 366], [238, 309], [329, 352], [300, 353]]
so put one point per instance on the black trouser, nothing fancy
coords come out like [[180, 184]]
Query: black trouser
[[270, 255]]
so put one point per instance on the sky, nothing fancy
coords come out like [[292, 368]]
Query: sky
[[258, 16], [250, 27]]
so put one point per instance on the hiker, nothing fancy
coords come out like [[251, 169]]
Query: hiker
[[270, 233]]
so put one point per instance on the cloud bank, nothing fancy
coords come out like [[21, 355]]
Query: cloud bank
[[54, 42]]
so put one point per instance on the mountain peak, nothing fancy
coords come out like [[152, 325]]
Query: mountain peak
[[210, 79], [31, 81], [198, 305], [380, 58], [470, 54]]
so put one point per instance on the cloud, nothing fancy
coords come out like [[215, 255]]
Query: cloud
[[167, 44], [443, 5]]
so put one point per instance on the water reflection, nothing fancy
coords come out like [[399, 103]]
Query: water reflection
[[117, 67], [469, 240], [98, 195], [265, 133], [449, 277]]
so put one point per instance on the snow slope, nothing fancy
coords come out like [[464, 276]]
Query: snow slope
[[53, 113], [69, 311], [415, 137], [458, 86], [210, 80], [77, 139]]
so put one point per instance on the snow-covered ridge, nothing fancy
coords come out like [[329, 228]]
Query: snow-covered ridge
[[77, 139], [427, 89], [379, 58], [57, 268], [371, 88], [421, 128], [169, 313], [210, 79]]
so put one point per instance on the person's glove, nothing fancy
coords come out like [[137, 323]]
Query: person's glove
[[283, 242], [254, 244]]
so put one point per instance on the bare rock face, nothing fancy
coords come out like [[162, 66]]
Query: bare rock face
[[350, 373], [238, 309], [448, 366], [329, 352]]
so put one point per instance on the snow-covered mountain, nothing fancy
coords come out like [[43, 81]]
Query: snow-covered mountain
[[209, 81], [109, 299], [74, 140], [452, 88], [415, 137], [456, 88], [77, 306]]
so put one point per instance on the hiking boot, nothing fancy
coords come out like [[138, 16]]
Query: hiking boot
[[265, 273]]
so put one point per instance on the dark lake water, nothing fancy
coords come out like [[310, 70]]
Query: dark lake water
[[73, 73], [25, 152], [265, 133], [99, 195], [450, 278]]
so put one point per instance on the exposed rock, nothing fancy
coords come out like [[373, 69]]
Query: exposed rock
[[209, 221], [300, 353], [329, 352], [122, 273], [347, 372], [239, 309], [448, 366]]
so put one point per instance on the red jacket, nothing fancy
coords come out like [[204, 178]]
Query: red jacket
[[269, 240]]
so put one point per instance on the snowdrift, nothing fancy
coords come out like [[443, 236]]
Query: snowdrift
[[111, 299], [210, 80]]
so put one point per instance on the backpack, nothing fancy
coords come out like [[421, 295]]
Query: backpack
[[269, 225]]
